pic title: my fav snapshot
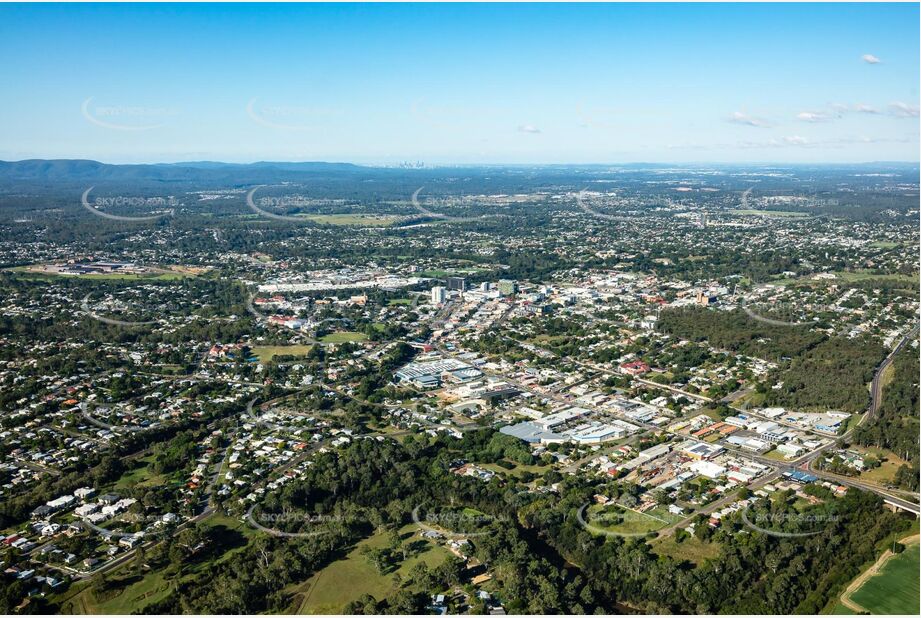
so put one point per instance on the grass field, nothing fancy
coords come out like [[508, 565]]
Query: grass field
[[885, 473], [141, 476], [895, 589], [863, 275], [884, 244], [620, 520], [517, 471], [769, 213], [266, 352], [855, 276], [399, 301], [347, 579], [160, 274], [343, 337], [354, 219], [692, 549]]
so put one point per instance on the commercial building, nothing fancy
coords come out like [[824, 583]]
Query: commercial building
[[634, 368], [429, 374], [457, 283], [439, 294]]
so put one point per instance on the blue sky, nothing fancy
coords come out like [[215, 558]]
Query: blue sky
[[443, 84]]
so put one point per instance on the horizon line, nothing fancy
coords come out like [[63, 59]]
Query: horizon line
[[483, 164]]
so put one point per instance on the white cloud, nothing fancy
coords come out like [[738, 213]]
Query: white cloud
[[865, 109], [903, 110], [870, 59], [813, 117], [528, 128], [796, 140], [751, 121]]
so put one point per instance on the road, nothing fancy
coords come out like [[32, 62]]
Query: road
[[876, 395], [718, 504]]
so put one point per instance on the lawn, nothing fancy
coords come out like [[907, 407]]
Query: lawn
[[347, 579], [399, 301], [267, 352], [343, 337], [895, 589]]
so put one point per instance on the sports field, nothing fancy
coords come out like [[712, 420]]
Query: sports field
[[343, 337], [895, 589], [266, 352]]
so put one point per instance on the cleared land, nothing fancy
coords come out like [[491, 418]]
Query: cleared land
[[343, 337], [346, 580], [621, 520], [769, 213], [267, 352], [153, 274], [354, 219], [691, 549], [885, 473], [142, 475], [517, 470]]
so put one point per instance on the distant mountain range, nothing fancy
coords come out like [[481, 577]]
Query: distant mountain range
[[34, 172], [86, 170]]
